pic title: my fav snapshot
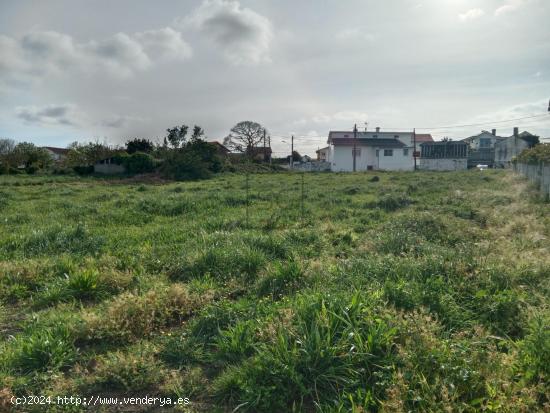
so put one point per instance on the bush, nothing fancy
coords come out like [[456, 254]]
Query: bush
[[196, 160], [536, 154], [84, 169], [136, 163]]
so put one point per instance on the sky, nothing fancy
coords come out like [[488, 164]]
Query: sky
[[87, 70]]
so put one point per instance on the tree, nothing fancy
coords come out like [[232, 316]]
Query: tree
[[87, 154], [7, 146], [139, 145], [32, 157], [198, 133], [196, 160], [244, 137], [176, 135]]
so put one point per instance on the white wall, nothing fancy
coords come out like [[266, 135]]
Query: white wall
[[443, 164], [342, 159]]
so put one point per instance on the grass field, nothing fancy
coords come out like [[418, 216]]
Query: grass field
[[413, 292]]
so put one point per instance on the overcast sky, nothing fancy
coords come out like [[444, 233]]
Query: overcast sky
[[90, 69]]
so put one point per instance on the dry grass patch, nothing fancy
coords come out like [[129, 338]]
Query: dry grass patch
[[130, 316]]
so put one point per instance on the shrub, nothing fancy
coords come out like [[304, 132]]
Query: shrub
[[138, 163], [196, 160]]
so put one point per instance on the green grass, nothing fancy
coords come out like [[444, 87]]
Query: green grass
[[389, 292]]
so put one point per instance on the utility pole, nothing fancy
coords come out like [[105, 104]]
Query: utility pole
[[269, 144], [265, 154], [354, 146], [414, 150], [292, 152]]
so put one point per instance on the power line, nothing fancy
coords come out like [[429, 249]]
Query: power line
[[433, 128], [476, 124]]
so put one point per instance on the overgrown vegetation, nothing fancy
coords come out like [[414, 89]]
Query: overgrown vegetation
[[536, 154], [409, 292]]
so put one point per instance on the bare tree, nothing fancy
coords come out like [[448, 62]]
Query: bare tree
[[6, 146], [244, 136]]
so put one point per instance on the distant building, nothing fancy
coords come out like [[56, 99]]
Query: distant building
[[444, 156], [482, 148], [323, 154], [220, 149], [392, 151], [109, 166], [510, 147], [57, 154]]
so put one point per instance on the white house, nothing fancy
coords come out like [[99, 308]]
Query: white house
[[323, 154], [392, 151]]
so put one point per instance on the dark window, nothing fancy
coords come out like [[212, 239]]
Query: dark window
[[406, 152], [345, 136], [396, 136], [388, 152], [375, 136]]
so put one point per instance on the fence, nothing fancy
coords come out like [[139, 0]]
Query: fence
[[538, 174]]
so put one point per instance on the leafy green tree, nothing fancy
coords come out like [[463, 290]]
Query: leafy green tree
[[198, 133], [139, 145], [196, 160], [31, 156], [87, 154], [176, 136]]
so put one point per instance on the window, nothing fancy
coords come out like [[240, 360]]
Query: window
[[485, 142], [388, 152], [377, 153], [406, 152], [345, 136], [357, 152], [396, 136], [375, 136]]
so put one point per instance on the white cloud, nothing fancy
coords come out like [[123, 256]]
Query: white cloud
[[510, 6], [242, 34], [471, 14], [40, 53], [165, 44], [53, 115]]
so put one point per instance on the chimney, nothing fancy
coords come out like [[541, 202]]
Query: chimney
[[378, 129], [494, 132], [516, 132]]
